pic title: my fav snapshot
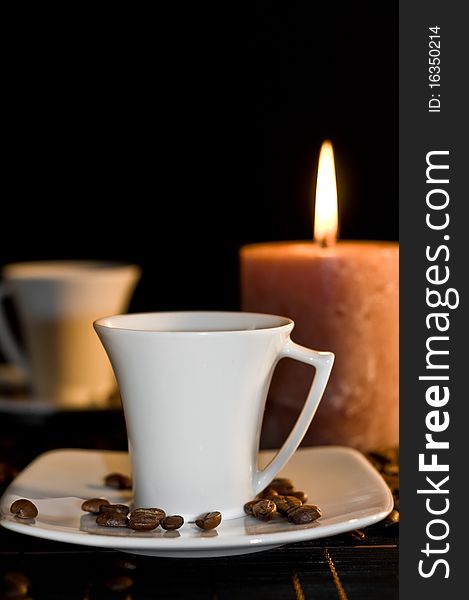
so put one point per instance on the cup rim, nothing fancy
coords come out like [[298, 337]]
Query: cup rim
[[117, 323], [65, 269]]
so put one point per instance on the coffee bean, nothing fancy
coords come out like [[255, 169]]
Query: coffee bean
[[391, 470], [303, 496], [248, 506], [93, 505], [286, 503], [123, 509], [118, 481], [264, 510], [282, 485], [391, 519], [120, 583], [268, 494], [357, 534], [209, 520], [172, 522], [141, 521], [156, 512], [15, 585], [307, 513], [24, 509], [112, 519]]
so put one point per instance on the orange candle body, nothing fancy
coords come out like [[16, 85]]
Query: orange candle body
[[345, 299]]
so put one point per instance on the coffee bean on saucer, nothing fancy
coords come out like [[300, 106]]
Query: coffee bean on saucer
[[209, 520], [268, 494], [118, 481], [249, 505], [307, 513], [93, 505], [24, 509], [303, 496], [156, 512], [112, 519], [172, 522], [282, 485], [122, 509], [286, 503], [264, 510], [143, 521]]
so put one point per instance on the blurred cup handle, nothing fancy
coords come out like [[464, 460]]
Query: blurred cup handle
[[8, 343]]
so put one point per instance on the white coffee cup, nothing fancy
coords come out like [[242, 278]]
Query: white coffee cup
[[194, 386], [56, 303]]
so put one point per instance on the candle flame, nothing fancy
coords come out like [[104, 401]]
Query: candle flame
[[325, 214]]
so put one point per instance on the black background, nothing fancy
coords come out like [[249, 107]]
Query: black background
[[173, 137]]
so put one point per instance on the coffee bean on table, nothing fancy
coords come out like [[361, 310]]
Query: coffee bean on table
[[120, 583], [118, 481], [209, 520], [357, 534], [24, 509], [307, 513], [264, 510], [93, 505], [123, 509], [391, 519], [112, 519], [286, 503], [172, 522], [15, 585]]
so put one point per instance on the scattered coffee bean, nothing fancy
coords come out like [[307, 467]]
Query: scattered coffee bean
[[156, 512], [286, 503], [93, 505], [112, 519], [172, 522], [141, 521], [307, 513], [122, 509], [303, 496], [391, 519], [357, 534], [209, 520], [120, 583], [391, 470], [15, 585], [24, 509], [268, 494], [264, 510], [282, 485], [248, 506], [118, 481]]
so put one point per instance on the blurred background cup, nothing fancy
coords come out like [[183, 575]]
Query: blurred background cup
[[55, 304]]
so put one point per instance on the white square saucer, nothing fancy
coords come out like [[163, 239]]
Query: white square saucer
[[349, 491]]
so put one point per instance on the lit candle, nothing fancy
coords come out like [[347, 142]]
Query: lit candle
[[343, 297]]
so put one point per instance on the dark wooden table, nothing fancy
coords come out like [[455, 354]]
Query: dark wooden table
[[360, 566]]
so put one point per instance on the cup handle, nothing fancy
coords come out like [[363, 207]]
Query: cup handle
[[323, 362], [8, 344]]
